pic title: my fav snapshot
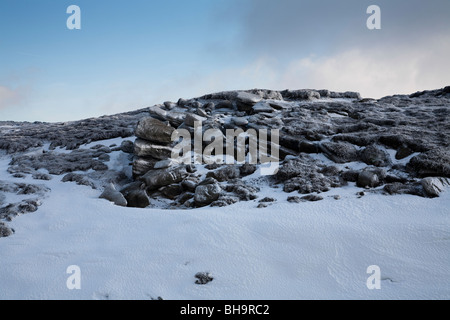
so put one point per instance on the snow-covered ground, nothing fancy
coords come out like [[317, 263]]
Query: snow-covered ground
[[313, 250]]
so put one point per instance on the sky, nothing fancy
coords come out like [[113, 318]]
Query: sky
[[137, 53]]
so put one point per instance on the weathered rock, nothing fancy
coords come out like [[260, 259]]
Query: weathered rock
[[301, 94], [368, 179], [434, 186], [127, 146], [247, 169], [203, 278], [79, 179], [163, 164], [268, 199], [262, 107], [435, 162], [172, 191], [403, 188], [225, 200], [340, 152], [189, 185], [192, 118], [303, 174], [5, 231], [403, 152], [311, 198], [155, 179], [225, 174], [41, 176], [143, 148], [169, 105], [294, 199], [243, 191], [137, 199], [154, 130], [111, 194], [239, 121], [245, 101], [142, 165], [374, 155], [202, 113], [206, 194], [350, 175]]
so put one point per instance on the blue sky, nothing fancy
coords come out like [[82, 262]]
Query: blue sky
[[136, 53]]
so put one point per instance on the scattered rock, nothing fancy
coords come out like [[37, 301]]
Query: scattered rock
[[127, 146], [225, 200], [368, 179], [111, 194], [203, 278], [79, 179], [243, 191], [375, 156], [206, 194], [5, 231], [268, 199], [434, 186], [41, 176]]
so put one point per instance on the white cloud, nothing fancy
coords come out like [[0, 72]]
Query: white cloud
[[372, 71], [9, 97]]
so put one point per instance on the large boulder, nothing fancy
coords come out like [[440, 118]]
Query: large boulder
[[340, 152], [111, 194], [155, 179], [137, 199], [142, 165], [375, 156], [143, 148], [245, 101], [434, 186], [154, 130], [368, 179], [435, 162], [207, 194]]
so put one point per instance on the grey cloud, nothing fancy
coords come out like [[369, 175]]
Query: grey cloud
[[287, 27]]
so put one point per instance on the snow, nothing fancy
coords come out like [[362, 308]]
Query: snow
[[317, 250]]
